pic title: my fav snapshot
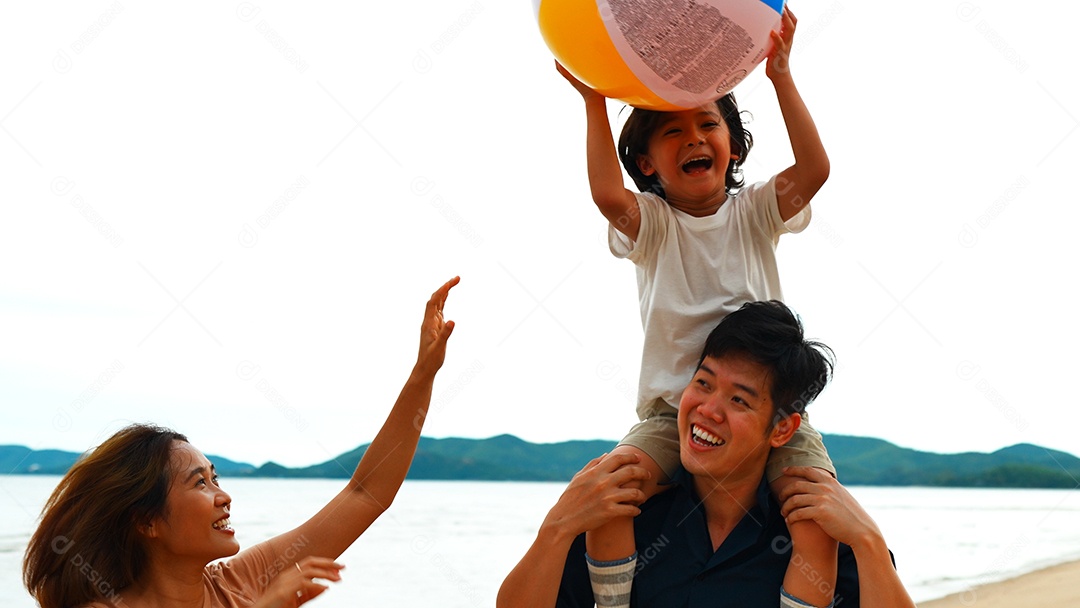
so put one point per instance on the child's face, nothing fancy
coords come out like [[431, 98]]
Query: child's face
[[689, 153]]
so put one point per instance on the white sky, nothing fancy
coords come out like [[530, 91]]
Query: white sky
[[225, 218]]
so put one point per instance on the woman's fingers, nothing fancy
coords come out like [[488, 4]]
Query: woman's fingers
[[313, 567], [320, 567]]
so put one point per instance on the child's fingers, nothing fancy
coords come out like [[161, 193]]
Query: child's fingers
[[564, 72]]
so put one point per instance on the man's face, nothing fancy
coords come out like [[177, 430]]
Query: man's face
[[726, 420]]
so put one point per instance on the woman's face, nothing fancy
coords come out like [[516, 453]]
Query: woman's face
[[195, 524]]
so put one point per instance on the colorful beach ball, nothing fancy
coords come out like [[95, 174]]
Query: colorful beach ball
[[659, 54]]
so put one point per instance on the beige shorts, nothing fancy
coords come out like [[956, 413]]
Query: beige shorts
[[658, 436]]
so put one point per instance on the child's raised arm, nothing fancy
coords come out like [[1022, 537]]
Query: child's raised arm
[[615, 202], [797, 184]]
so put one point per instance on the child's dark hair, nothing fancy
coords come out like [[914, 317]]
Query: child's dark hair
[[769, 333], [641, 124]]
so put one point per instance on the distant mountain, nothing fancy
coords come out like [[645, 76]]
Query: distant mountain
[[867, 461], [21, 460], [500, 458], [17, 459], [859, 460]]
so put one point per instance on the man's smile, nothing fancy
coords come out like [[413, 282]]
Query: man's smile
[[704, 438]]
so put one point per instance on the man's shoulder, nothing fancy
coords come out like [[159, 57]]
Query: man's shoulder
[[678, 487], [677, 505]]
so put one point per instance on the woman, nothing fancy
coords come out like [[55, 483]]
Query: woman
[[136, 522]]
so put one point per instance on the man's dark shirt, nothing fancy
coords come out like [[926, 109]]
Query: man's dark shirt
[[677, 567]]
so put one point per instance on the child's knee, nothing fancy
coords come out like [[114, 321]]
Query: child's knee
[[657, 477], [779, 482]]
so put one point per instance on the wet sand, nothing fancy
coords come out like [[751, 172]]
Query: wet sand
[[1055, 586]]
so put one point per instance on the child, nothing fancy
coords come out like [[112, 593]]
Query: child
[[702, 248]]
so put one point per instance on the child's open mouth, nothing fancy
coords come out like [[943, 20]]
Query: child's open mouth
[[698, 164]]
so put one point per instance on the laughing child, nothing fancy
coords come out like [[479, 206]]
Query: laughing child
[[703, 246]]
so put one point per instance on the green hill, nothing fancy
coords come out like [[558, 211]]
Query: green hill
[[16, 459], [500, 458], [21, 460], [867, 461], [859, 460]]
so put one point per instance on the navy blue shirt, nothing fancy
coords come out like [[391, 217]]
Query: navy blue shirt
[[677, 566]]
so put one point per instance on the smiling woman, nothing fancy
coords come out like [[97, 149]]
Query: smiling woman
[[138, 521]]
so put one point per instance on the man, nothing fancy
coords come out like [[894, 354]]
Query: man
[[718, 537]]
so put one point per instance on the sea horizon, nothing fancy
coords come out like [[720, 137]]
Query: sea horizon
[[459, 539], [861, 460]]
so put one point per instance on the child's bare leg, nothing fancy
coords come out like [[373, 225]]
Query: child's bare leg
[[611, 550], [811, 573]]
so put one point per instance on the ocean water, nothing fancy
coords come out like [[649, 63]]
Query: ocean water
[[454, 542]]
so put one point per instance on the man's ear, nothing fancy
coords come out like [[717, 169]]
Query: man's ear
[[783, 430], [645, 165]]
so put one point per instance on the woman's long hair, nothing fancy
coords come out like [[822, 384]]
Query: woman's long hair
[[87, 547]]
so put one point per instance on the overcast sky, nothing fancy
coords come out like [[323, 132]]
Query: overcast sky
[[226, 218]]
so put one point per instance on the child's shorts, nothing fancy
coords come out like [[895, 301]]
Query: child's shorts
[[658, 436]]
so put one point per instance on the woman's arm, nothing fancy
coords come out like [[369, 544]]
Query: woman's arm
[[382, 469]]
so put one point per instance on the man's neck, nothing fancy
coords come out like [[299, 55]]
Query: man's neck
[[726, 503]]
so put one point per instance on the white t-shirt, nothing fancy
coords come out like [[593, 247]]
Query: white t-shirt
[[693, 271]]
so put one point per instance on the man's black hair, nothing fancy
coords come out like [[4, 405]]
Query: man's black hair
[[770, 334]]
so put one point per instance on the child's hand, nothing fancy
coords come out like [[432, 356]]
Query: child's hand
[[586, 92], [778, 61]]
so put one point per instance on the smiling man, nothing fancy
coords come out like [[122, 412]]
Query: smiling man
[[718, 537]]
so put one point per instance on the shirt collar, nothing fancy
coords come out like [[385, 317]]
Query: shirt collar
[[758, 522], [764, 498]]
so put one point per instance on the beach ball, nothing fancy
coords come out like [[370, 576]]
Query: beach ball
[[659, 54]]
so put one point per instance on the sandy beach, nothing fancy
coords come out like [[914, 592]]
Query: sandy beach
[[1055, 586]]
